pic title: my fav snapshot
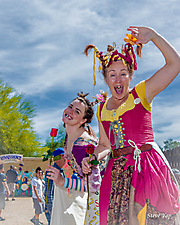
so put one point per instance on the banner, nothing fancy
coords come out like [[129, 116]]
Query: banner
[[11, 158], [23, 185]]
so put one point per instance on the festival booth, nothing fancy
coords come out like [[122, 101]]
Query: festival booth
[[26, 167]]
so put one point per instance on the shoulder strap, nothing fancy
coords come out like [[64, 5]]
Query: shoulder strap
[[134, 93], [100, 108]]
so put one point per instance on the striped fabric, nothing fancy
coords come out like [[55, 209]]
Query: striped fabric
[[74, 184]]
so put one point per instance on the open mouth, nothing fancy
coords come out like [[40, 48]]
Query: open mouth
[[68, 117], [119, 89]]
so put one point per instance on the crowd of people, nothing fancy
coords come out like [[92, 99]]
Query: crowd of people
[[137, 185]]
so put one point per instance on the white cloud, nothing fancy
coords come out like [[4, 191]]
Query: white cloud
[[46, 120], [166, 121], [42, 41]]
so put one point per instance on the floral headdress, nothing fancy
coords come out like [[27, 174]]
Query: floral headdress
[[127, 55], [100, 97]]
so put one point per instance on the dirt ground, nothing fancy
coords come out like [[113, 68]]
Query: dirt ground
[[19, 212]]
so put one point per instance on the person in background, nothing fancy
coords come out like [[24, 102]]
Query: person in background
[[58, 164], [3, 187], [37, 195], [11, 175], [43, 181], [137, 187]]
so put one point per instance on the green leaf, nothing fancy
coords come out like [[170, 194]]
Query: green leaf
[[58, 157], [45, 158], [49, 153], [94, 162]]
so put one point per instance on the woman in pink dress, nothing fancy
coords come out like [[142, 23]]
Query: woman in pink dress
[[138, 186]]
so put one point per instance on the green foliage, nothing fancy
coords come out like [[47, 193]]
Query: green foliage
[[16, 132], [48, 155], [58, 157], [170, 144], [94, 162]]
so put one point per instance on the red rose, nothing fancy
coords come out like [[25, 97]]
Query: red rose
[[90, 149], [53, 132]]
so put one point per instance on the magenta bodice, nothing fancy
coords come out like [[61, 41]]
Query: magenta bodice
[[135, 125]]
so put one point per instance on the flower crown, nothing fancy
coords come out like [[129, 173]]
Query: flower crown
[[127, 55]]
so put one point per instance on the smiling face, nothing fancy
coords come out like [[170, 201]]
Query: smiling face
[[74, 113], [118, 80]]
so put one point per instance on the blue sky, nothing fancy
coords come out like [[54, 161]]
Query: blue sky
[[41, 53]]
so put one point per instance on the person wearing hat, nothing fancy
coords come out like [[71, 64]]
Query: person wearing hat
[[3, 186], [58, 164]]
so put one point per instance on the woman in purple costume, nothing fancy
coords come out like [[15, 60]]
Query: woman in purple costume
[[79, 134], [138, 186]]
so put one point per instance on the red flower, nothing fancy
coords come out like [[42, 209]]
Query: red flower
[[90, 149], [53, 132]]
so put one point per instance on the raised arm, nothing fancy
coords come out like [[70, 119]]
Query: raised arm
[[164, 76]]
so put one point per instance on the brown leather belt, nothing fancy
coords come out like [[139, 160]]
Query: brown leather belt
[[128, 150]]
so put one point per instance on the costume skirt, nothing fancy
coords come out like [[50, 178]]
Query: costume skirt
[[155, 195], [92, 215], [68, 208]]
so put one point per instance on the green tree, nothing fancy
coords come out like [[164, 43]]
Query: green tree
[[16, 126], [170, 144]]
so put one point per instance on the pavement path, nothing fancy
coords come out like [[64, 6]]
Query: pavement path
[[19, 212]]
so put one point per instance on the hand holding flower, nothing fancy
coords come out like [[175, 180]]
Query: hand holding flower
[[55, 175], [90, 150], [49, 154], [86, 167]]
